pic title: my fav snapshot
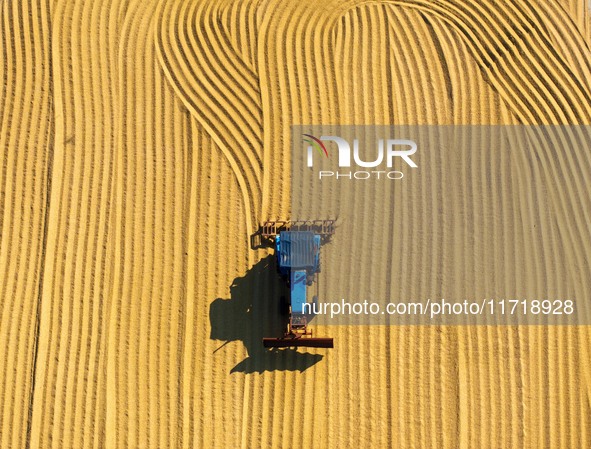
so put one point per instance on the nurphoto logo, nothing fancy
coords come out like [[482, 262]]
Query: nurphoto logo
[[384, 154]]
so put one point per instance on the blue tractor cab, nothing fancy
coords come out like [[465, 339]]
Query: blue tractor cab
[[297, 250]]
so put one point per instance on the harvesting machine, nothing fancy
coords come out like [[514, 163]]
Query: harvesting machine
[[297, 248]]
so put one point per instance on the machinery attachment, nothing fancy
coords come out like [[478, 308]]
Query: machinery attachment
[[291, 342], [323, 228]]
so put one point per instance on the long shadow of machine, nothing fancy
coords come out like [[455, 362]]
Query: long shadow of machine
[[252, 312]]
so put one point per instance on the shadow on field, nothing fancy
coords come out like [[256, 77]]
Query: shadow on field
[[253, 312]]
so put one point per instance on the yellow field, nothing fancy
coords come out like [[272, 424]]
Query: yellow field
[[143, 142]]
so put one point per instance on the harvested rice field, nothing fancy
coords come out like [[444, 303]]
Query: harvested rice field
[[143, 143]]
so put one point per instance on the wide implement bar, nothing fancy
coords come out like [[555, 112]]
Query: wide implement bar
[[324, 228], [306, 342]]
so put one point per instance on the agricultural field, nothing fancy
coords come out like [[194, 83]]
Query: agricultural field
[[143, 142]]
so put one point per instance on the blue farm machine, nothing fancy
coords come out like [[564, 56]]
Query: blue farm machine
[[297, 249]]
